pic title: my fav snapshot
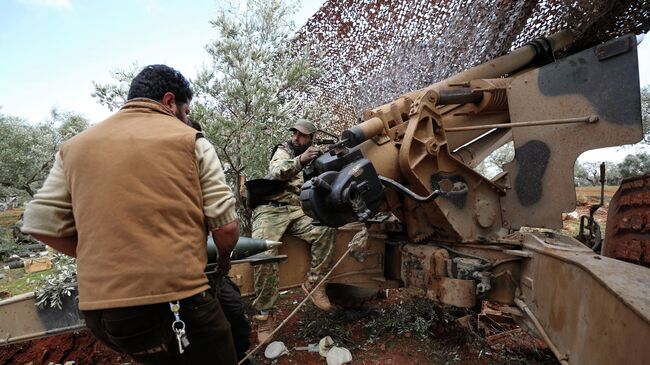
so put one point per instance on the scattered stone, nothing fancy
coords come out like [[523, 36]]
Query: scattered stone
[[338, 356], [324, 345], [571, 216], [275, 349], [464, 321]]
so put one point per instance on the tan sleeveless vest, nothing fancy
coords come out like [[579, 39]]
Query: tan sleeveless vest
[[138, 209]]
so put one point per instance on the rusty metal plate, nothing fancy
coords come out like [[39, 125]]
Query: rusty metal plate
[[456, 292], [425, 267], [627, 235], [595, 310], [293, 273]]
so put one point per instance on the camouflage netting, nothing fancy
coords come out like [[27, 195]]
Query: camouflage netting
[[375, 51]]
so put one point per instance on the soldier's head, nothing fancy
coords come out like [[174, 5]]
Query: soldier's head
[[166, 86], [303, 134]]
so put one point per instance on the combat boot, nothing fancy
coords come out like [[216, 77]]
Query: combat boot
[[319, 297], [265, 326]]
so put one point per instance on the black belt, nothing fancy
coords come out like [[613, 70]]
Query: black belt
[[274, 203]]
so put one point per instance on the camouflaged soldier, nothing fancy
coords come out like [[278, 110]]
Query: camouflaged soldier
[[280, 213]]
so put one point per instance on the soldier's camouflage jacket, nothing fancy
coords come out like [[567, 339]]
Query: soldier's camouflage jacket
[[286, 167]]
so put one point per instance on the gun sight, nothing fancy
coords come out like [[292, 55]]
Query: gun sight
[[324, 141]]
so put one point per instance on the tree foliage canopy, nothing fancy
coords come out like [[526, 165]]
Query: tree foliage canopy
[[257, 85], [252, 92], [588, 173], [113, 95], [27, 150], [633, 165]]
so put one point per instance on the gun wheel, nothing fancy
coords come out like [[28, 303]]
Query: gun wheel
[[350, 296], [627, 235]]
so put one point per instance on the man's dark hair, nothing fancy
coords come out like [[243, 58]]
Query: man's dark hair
[[156, 80]]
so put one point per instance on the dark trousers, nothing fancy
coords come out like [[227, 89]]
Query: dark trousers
[[230, 299], [145, 332]]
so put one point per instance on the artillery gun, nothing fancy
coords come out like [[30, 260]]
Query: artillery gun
[[465, 237], [406, 174]]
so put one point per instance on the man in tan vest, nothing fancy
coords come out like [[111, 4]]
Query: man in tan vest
[[130, 198]]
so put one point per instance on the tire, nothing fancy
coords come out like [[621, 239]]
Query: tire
[[627, 235]]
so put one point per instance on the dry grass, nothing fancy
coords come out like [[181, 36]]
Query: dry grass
[[588, 195]]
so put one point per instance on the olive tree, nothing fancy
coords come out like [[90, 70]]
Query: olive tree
[[636, 164], [588, 173], [113, 95], [27, 150], [257, 85]]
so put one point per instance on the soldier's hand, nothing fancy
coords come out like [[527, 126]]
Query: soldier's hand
[[311, 153]]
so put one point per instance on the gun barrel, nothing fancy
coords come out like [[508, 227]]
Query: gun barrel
[[245, 247]]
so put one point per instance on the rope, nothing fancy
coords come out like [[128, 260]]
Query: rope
[[297, 308]]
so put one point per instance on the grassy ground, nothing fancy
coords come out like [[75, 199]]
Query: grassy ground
[[17, 281]]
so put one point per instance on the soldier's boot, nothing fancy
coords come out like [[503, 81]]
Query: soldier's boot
[[319, 297], [265, 326]]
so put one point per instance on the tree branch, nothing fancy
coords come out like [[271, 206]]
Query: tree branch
[[231, 111]]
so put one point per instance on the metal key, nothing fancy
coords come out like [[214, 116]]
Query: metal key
[[180, 342], [178, 326], [184, 340]]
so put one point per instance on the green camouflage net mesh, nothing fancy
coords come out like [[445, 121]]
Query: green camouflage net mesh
[[375, 51]]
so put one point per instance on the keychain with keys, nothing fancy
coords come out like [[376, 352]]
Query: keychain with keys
[[178, 326]]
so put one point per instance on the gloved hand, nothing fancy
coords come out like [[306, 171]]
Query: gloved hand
[[311, 153], [223, 265]]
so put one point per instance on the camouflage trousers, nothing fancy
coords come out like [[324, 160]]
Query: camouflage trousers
[[271, 223]]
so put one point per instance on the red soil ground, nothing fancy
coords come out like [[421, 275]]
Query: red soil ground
[[444, 341]]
